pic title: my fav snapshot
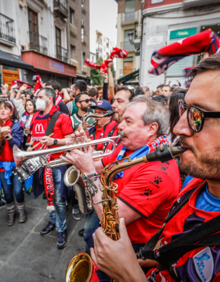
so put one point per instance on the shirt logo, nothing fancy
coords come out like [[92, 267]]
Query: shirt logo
[[203, 262], [39, 128]]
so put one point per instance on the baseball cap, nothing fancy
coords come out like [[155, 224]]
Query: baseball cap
[[103, 104]]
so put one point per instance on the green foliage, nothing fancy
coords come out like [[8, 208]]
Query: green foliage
[[95, 75]]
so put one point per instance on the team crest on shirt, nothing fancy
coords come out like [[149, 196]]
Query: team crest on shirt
[[204, 264]]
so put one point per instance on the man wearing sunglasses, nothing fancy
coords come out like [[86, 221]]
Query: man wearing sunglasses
[[199, 129], [83, 103]]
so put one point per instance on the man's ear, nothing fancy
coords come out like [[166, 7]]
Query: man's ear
[[153, 128], [77, 91]]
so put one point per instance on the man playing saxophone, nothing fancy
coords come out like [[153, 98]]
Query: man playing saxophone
[[144, 196]]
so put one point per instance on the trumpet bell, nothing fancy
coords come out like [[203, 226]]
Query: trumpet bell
[[71, 176], [79, 268], [18, 155]]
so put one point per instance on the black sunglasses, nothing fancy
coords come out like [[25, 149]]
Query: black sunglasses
[[86, 100], [195, 115]]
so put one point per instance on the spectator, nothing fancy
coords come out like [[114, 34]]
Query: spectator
[[159, 89], [166, 90], [146, 90]]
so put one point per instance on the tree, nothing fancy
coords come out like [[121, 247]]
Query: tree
[[96, 77]]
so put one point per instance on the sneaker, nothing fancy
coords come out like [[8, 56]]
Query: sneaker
[[76, 213], [47, 229], [61, 240]]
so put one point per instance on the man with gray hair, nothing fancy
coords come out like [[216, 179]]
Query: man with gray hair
[[146, 90], [144, 197]]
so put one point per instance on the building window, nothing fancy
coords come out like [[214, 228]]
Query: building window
[[130, 10], [71, 16], [82, 4], [83, 58], [82, 33], [33, 29], [127, 45], [58, 44], [72, 52], [127, 66], [107, 42]]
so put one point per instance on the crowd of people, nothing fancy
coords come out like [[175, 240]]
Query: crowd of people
[[163, 204]]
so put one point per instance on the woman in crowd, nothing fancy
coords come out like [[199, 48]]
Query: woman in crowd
[[11, 133], [26, 118]]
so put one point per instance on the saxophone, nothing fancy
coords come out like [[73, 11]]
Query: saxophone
[[80, 267]]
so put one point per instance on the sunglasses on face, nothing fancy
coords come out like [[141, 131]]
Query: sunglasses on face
[[86, 100], [195, 115]]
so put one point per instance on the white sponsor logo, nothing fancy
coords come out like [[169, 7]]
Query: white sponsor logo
[[203, 262]]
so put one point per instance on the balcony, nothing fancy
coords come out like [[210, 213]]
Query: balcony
[[99, 40], [73, 30], [193, 3], [127, 46], [7, 31], [84, 69], [74, 63], [37, 42], [124, 72], [84, 39], [129, 17], [60, 8], [83, 8], [61, 53]]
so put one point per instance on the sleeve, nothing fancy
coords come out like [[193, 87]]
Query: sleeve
[[69, 107], [147, 189], [17, 136], [63, 108], [19, 107], [105, 91], [66, 125], [74, 109]]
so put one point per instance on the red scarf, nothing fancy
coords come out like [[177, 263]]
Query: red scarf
[[39, 126], [7, 153]]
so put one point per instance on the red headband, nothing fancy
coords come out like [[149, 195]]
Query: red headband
[[11, 104]]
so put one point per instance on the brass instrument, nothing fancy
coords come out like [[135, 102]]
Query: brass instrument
[[25, 166], [79, 268], [85, 125]]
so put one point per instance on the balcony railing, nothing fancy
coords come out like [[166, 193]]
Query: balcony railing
[[126, 71], [61, 53], [60, 7], [84, 8], [129, 17], [127, 46], [73, 30], [7, 29], [37, 42], [99, 40], [84, 39], [84, 69]]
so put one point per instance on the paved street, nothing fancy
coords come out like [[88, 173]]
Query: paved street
[[25, 256]]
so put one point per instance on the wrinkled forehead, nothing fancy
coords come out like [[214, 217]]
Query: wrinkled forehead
[[204, 91], [41, 94]]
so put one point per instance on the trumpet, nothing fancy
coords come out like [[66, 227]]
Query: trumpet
[[29, 162]]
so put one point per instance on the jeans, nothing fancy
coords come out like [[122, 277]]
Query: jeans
[[58, 217], [92, 221], [15, 187]]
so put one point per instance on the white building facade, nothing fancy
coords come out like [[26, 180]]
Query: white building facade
[[167, 21]]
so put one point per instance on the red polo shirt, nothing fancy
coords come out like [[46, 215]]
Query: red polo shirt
[[149, 189]]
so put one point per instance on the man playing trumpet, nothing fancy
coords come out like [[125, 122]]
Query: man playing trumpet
[[144, 196], [61, 132]]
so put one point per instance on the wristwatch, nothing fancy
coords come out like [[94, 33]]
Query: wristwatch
[[55, 141], [7, 136]]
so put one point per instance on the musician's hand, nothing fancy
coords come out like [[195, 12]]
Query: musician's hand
[[5, 130], [48, 141], [4, 89], [116, 258], [81, 158], [29, 149]]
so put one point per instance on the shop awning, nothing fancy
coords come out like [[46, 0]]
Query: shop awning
[[128, 77], [10, 61]]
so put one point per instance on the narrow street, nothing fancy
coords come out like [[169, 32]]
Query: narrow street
[[25, 256]]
